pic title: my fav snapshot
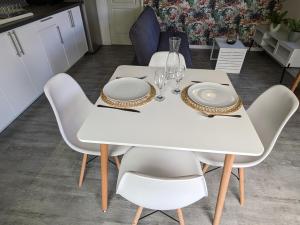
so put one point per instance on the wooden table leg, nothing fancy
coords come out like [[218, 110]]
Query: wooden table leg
[[223, 188], [104, 175]]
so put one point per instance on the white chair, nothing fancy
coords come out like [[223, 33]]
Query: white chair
[[160, 180], [159, 59], [71, 107], [269, 113]]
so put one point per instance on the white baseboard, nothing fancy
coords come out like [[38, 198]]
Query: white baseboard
[[253, 49], [200, 47]]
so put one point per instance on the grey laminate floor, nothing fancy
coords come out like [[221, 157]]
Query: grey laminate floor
[[39, 173]]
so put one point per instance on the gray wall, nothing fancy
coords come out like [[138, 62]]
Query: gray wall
[[293, 8]]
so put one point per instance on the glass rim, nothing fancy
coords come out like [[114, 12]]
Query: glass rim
[[175, 38]]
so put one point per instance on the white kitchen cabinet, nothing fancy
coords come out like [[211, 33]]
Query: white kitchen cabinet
[[73, 35], [15, 82], [54, 44], [6, 111], [65, 23], [64, 38], [79, 31], [31, 54], [34, 55]]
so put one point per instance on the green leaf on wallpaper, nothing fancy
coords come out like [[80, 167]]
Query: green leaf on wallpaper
[[250, 2], [191, 2]]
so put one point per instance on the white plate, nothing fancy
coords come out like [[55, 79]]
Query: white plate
[[212, 95], [126, 89]]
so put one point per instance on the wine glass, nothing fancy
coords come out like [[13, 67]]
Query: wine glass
[[159, 80], [178, 77]]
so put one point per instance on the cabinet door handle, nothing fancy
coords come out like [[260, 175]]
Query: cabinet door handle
[[71, 18], [18, 41], [14, 44], [48, 18], [59, 34]]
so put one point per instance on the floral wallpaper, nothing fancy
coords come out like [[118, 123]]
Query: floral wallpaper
[[205, 19]]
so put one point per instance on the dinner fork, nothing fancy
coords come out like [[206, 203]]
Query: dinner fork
[[143, 77]]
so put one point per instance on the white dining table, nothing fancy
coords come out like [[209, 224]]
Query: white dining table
[[171, 124]]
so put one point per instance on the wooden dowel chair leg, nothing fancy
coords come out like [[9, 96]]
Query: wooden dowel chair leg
[[117, 161], [82, 171], [242, 185], [295, 83], [137, 215], [180, 216], [205, 168]]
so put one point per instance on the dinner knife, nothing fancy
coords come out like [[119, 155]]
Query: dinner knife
[[195, 81], [213, 115], [133, 77], [123, 109]]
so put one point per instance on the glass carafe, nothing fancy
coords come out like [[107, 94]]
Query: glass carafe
[[173, 60], [231, 35]]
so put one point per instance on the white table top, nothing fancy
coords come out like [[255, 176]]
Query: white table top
[[223, 44], [172, 124]]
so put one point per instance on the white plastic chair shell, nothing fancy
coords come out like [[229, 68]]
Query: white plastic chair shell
[[161, 179], [71, 107], [269, 113], [159, 59]]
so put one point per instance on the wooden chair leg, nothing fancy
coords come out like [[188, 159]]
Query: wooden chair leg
[[296, 83], [137, 215], [82, 171], [180, 216], [242, 185], [117, 161], [205, 168]]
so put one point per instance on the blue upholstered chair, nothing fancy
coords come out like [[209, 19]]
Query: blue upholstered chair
[[147, 38]]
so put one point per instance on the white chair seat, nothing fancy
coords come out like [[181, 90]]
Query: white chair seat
[[94, 149], [218, 160], [161, 179], [165, 163]]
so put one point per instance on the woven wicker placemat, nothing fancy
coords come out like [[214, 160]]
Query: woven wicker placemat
[[207, 109], [129, 104]]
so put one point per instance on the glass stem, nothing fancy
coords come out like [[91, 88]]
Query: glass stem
[[159, 93], [177, 85]]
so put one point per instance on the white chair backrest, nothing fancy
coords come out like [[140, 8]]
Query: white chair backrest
[[70, 106], [161, 193], [270, 112], [159, 59], [161, 179]]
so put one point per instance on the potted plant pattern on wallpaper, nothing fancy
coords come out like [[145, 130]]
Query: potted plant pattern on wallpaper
[[205, 19]]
